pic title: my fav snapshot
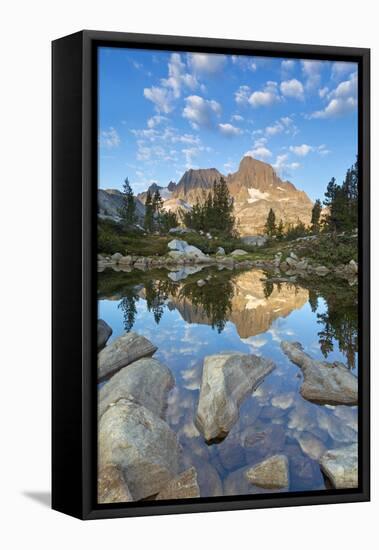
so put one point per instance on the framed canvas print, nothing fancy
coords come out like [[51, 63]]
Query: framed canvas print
[[210, 274]]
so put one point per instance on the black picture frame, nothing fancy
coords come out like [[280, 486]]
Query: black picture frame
[[74, 206]]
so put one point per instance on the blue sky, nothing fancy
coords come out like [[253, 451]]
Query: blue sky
[[161, 113]]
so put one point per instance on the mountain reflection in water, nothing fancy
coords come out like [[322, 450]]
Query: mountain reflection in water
[[189, 315], [248, 300]]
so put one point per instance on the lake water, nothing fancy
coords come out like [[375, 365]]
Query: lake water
[[242, 312]]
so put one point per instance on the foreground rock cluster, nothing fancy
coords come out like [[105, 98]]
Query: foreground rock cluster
[[140, 456], [138, 452]]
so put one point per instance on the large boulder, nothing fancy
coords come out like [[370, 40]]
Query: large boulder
[[121, 352], [145, 381], [177, 244], [111, 485], [182, 486], [227, 379], [341, 466], [271, 473], [184, 250], [104, 332], [324, 383], [141, 445]]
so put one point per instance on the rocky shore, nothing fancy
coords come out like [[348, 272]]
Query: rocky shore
[[282, 267], [139, 453]]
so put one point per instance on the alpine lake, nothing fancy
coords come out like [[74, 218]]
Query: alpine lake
[[193, 312]]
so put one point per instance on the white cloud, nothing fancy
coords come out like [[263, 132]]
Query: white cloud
[[161, 98], [229, 130], [260, 153], [292, 88], [201, 112], [265, 97], [288, 64], [246, 63], [283, 167], [342, 68], [342, 100], [284, 124], [109, 138], [206, 64], [301, 150], [178, 77], [323, 150], [323, 92], [312, 72], [156, 120], [242, 95], [237, 118]]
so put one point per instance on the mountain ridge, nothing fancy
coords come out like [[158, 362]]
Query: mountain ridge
[[255, 188]]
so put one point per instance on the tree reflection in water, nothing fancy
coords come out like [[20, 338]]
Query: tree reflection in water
[[213, 300]]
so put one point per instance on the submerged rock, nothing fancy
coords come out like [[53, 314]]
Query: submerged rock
[[271, 473], [182, 486], [324, 383], [121, 352], [141, 445], [111, 485], [104, 332], [341, 466], [146, 382], [227, 379]]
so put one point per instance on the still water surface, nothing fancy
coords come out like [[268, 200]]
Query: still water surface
[[242, 312]]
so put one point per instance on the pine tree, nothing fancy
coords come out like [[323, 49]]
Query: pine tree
[[316, 213], [149, 214], [270, 226], [280, 230], [157, 205], [128, 208]]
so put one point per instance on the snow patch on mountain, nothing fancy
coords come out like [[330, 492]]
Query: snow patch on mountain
[[256, 195]]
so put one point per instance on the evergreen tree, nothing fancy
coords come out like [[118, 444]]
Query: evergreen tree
[[157, 205], [270, 226], [168, 220], [316, 213], [149, 213], [280, 230], [128, 208]]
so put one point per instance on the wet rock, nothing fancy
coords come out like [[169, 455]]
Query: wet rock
[[271, 473], [141, 445], [321, 270], [310, 445], [238, 252], [104, 332], [236, 483], [121, 352], [324, 383], [146, 382], [227, 379], [341, 466], [126, 260], [116, 257], [182, 486], [336, 428], [111, 485]]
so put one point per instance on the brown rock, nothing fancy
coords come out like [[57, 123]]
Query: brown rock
[[182, 486]]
